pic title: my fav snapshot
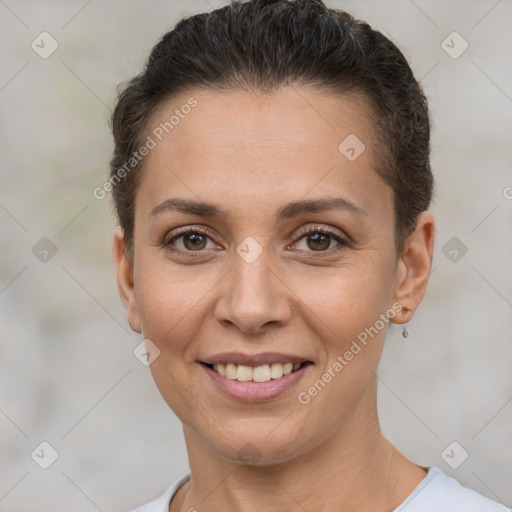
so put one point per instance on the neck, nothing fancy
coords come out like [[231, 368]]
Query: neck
[[355, 469]]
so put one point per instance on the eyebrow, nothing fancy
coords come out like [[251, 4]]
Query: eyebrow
[[288, 211]]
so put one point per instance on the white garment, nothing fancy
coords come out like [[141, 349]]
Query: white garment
[[437, 492]]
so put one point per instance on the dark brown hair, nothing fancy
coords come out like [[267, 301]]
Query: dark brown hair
[[261, 45]]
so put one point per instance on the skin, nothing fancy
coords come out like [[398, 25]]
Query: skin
[[251, 154]]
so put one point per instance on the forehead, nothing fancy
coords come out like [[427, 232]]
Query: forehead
[[295, 115], [289, 141]]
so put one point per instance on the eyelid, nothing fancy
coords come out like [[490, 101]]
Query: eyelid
[[341, 237], [188, 228], [179, 232]]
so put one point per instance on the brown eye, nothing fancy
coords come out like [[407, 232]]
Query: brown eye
[[188, 240], [194, 241], [319, 241]]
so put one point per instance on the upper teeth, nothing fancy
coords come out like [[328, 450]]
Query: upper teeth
[[261, 373]]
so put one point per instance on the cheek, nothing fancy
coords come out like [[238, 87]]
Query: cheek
[[344, 312], [348, 299], [171, 301], [173, 304]]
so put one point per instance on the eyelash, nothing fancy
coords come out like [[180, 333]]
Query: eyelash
[[343, 242]]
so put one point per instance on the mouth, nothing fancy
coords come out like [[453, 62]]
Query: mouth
[[262, 373], [255, 378]]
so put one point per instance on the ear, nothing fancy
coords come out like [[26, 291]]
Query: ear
[[125, 283], [413, 269]]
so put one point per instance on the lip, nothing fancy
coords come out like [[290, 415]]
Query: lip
[[253, 359], [256, 391]]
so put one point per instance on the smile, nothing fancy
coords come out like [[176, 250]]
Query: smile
[[255, 377], [262, 373]]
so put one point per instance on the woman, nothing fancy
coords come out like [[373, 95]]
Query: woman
[[271, 178]]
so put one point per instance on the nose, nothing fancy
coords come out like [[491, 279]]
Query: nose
[[253, 297]]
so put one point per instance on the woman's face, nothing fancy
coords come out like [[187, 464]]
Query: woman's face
[[290, 259]]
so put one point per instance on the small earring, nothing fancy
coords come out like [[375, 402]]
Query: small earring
[[405, 332]]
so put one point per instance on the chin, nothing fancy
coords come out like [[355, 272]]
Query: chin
[[260, 445]]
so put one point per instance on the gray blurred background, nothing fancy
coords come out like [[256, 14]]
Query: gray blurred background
[[68, 375]]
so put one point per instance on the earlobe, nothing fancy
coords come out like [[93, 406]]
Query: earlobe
[[125, 282], [413, 270]]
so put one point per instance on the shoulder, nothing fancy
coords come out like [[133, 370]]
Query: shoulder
[[436, 493], [440, 493], [162, 503]]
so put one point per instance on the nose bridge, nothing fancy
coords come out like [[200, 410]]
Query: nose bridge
[[252, 281], [253, 296]]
